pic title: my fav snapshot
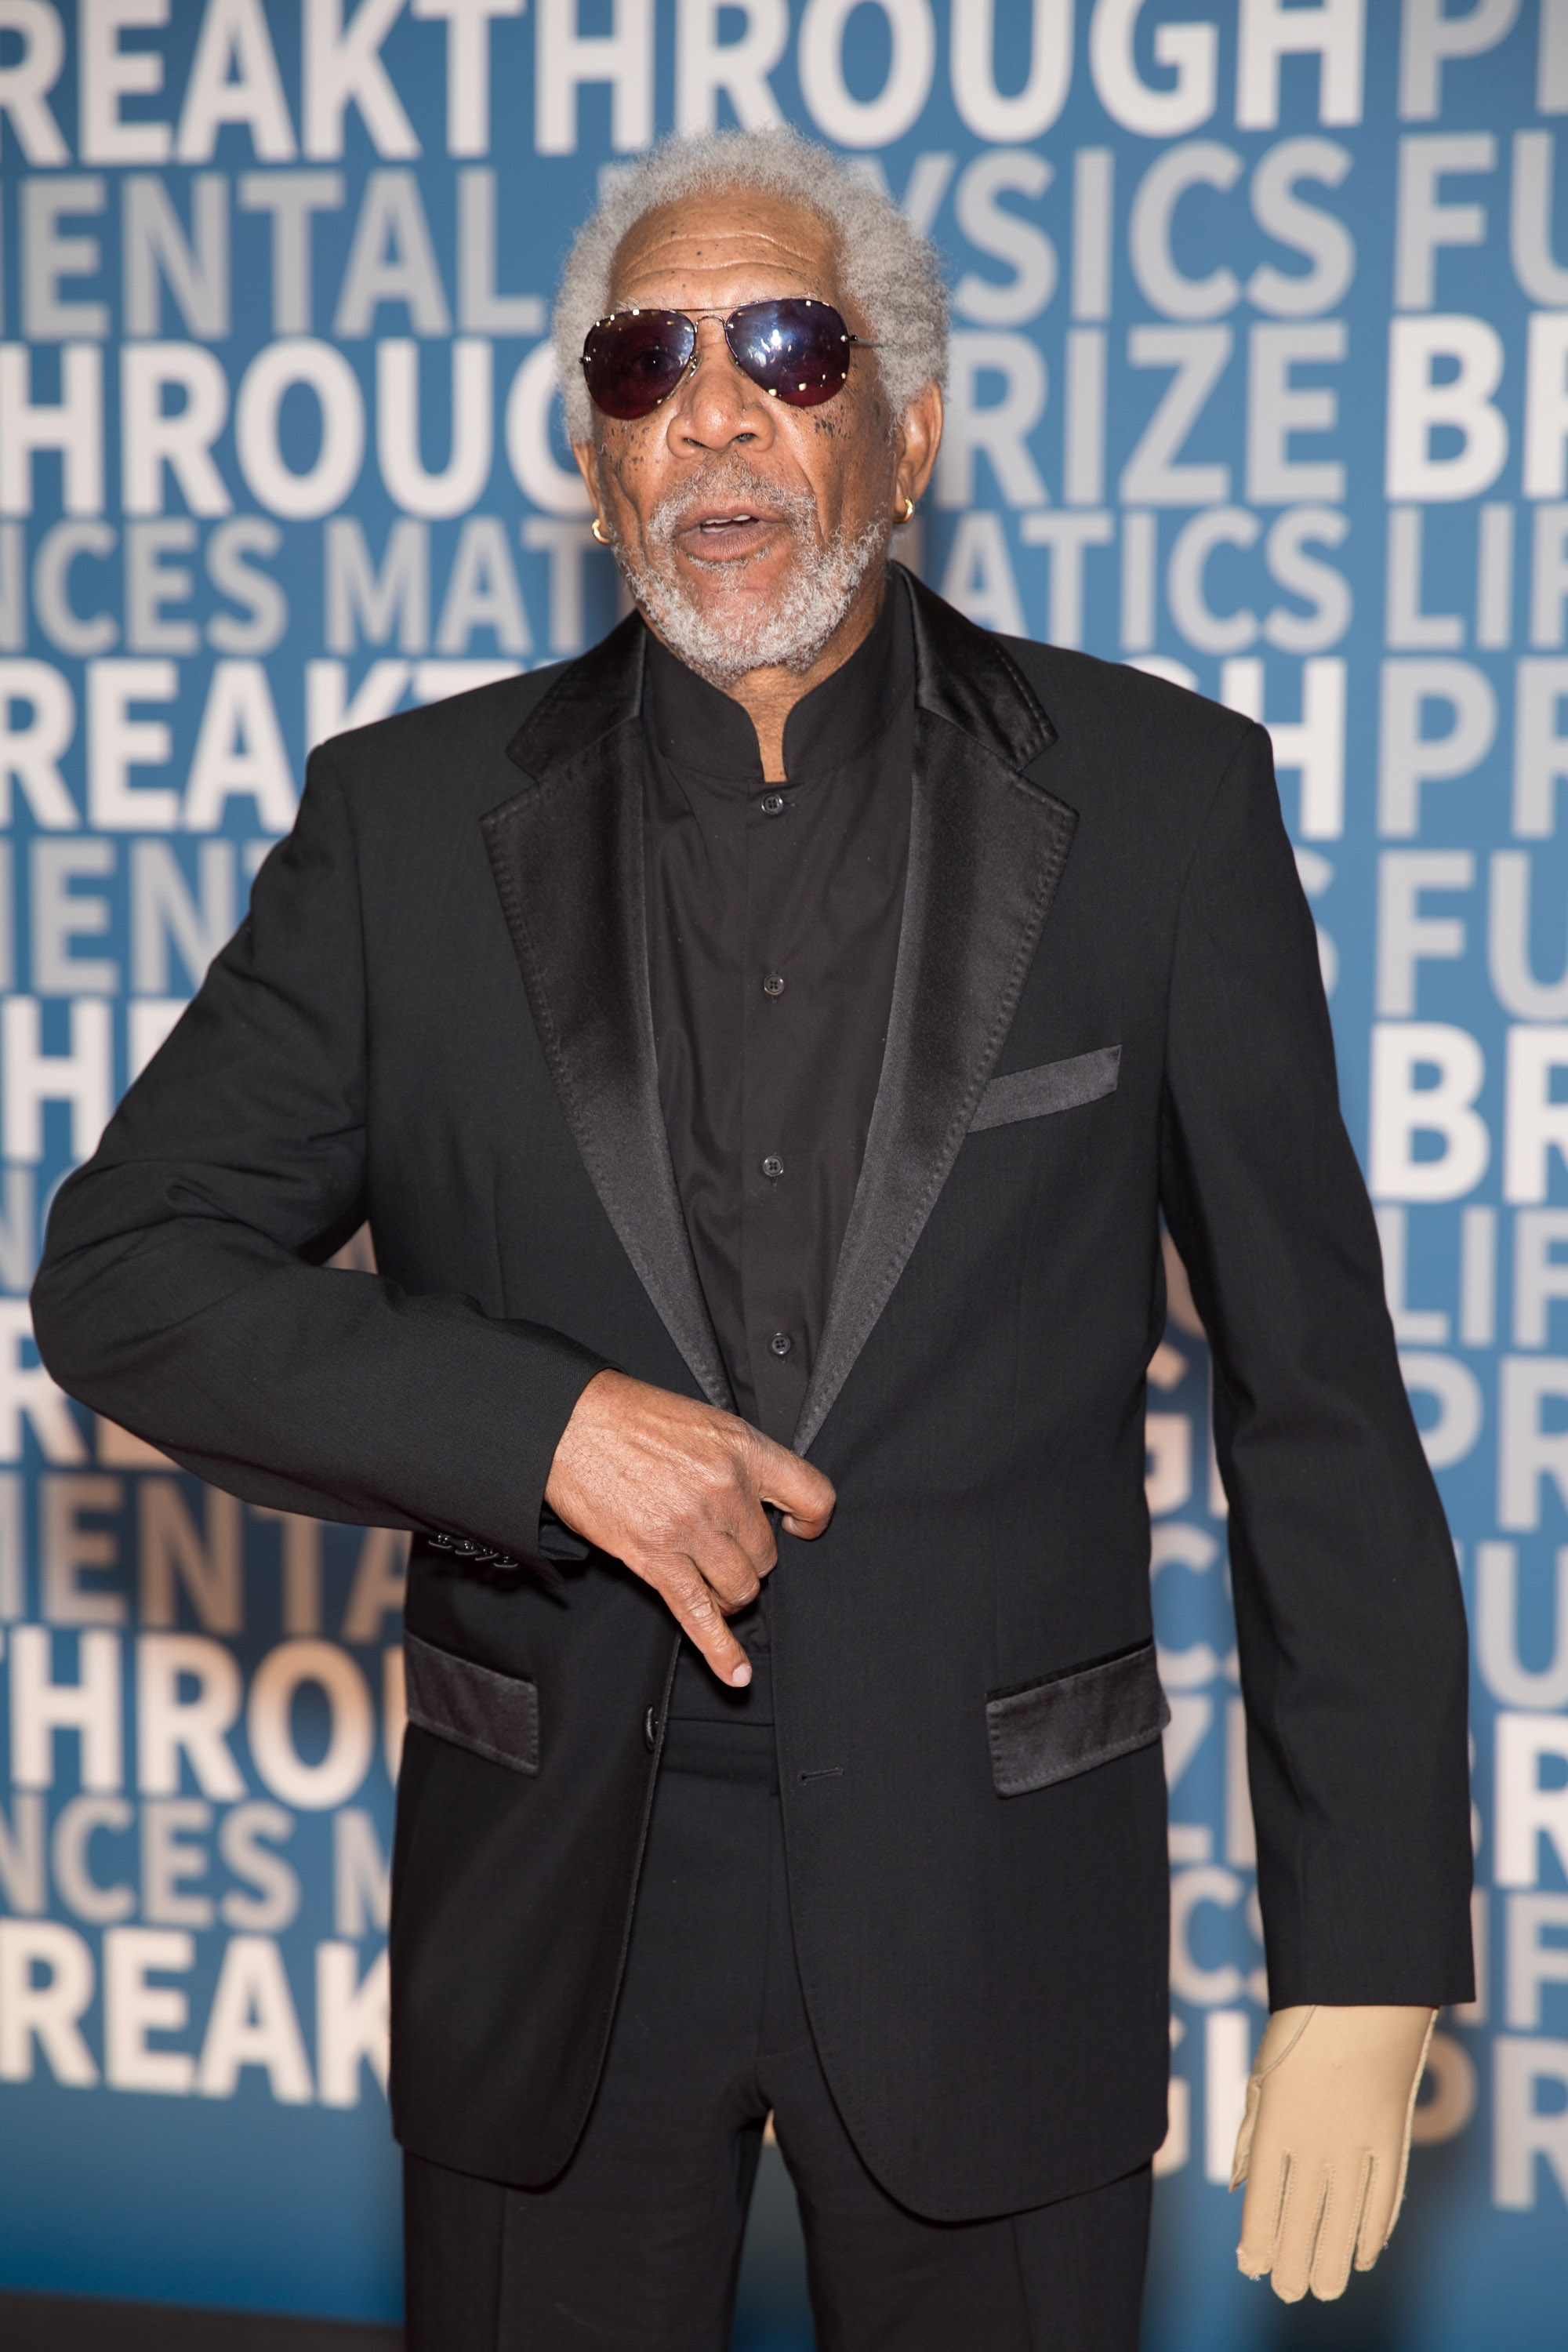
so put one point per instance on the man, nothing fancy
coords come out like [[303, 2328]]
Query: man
[[763, 1049]]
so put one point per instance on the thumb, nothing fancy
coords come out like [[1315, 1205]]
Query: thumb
[[796, 1488], [1243, 2157]]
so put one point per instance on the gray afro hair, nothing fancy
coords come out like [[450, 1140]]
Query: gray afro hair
[[890, 273]]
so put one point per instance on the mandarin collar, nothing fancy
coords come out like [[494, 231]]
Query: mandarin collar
[[701, 728]]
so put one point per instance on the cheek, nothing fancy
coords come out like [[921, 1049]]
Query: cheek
[[624, 464], [857, 423], [851, 458]]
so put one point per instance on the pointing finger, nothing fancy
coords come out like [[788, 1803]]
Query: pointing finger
[[691, 1602], [702, 1619]]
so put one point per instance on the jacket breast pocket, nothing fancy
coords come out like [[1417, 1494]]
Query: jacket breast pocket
[[495, 1716], [1052, 1730], [1049, 1087]]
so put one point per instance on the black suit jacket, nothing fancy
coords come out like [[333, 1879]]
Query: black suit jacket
[[1107, 1004]]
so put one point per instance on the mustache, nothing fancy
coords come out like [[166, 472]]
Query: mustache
[[731, 477]]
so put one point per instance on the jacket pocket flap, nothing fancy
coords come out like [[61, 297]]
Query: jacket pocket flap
[[1049, 1086], [495, 1714], [1052, 1730]]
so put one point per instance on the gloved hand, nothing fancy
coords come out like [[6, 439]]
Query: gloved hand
[[1324, 2143]]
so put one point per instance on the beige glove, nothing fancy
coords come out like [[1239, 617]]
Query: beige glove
[[1324, 2143]]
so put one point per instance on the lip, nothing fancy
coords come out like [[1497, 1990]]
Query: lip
[[732, 518], [712, 534]]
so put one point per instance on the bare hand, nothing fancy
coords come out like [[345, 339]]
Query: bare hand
[[676, 1490]]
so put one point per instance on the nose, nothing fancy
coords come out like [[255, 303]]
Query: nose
[[718, 406]]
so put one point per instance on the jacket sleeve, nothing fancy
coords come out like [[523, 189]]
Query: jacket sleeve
[[1349, 1620], [182, 1292]]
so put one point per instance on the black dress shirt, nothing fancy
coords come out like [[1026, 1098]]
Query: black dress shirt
[[773, 919]]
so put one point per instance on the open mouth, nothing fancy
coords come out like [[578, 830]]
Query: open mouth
[[736, 534], [754, 519], [716, 525]]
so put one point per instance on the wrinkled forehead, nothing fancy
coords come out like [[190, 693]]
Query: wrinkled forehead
[[725, 247]]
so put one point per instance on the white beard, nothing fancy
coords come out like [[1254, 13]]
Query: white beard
[[722, 645]]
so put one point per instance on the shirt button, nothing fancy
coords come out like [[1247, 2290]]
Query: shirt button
[[773, 805], [773, 984], [772, 1167], [780, 1343]]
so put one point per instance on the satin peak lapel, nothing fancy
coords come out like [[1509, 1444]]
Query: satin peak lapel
[[986, 852], [567, 855]]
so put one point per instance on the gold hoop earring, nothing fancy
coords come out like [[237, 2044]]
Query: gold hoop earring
[[908, 512], [600, 533]]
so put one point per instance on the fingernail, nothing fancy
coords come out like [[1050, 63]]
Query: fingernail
[[741, 1675]]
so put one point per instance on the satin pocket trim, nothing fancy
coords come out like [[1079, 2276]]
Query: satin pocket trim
[[495, 1716], [1053, 1730], [1049, 1086]]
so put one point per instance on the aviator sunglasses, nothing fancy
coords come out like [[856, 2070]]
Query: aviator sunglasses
[[797, 349]]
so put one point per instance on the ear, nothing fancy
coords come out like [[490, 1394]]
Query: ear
[[918, 439]]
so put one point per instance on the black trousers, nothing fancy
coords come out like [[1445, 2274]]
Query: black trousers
[[637, 2244]]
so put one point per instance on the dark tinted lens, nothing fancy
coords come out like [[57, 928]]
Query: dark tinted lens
[[634, 361], [798, 349]]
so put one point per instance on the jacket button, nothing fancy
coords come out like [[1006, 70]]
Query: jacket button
[[772, 1168], [651, 1731]]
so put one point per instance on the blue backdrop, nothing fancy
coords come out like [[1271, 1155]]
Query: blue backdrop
[[1260, 378]]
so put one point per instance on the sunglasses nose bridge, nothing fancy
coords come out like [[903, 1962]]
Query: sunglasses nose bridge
[[716, 392], [716, 340]]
